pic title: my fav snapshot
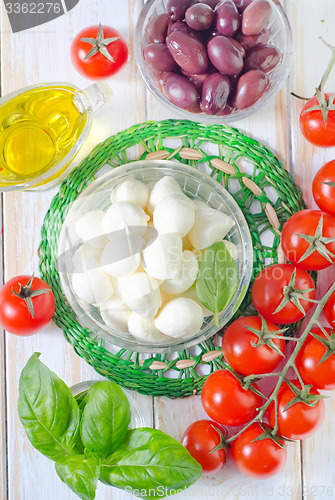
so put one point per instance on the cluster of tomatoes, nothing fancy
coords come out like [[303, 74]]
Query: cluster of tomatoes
[[254, 346]]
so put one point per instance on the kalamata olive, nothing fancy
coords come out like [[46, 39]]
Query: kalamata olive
[[242, 4], [249, 88], [198, 80], [176, 8], [188, 52], [211, 3], [264, 57], [178, 26], [255, 17], [215, 92], [228, 19], [180, 91], [159, 56], [195, 108], [157, 28], [199, 16], [158, 77], [239, 47], [224, 55], [227, 110], [251, 41]]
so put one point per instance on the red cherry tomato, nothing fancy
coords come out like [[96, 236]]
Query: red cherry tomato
[[200, 439], [299, 421], [324, 188], [15, 316], [107, 58], [313, 126], [329, 310], [241, 355], [320, 375], [258, 459], [225, 401], [299, 235], [268, 292]]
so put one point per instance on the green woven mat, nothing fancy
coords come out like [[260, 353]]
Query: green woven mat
[[263, 189]]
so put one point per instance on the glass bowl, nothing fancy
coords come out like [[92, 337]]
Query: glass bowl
[[280, 36], [137, 419], [43, 128], [196, 185]]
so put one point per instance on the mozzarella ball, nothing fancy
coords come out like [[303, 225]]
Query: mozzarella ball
[[162, 256], [124, 215], [115, 314], [144, 329], [133, 191], [118, 260], [187, 275], [89, 227], [166, 186], [180, 317], [141, 293], [85, 257], [174, 214], [232, 248], [191, 293], [209, 227], [93, 285]]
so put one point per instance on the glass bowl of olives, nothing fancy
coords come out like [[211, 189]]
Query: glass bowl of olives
[[213, 60]]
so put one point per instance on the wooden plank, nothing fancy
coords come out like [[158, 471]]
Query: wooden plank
[[39, 55], [310, 58]]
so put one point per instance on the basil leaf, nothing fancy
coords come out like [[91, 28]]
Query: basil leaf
[[105, 419], [47, 409], [80, 473], [149, 463], [217, 278]]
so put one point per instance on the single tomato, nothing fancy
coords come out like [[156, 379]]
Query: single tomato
[[279, 291], [99, 52], [225, 401], [329, 310], [306, 239], [300, 420], [310, 363], [258, 459], [27, 304], [241, 352], [317, 120], [324, 187], [204, 440]]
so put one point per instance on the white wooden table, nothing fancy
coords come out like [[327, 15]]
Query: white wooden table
[[41, 54]]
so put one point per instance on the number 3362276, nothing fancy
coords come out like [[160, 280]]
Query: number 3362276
[[33, 8]]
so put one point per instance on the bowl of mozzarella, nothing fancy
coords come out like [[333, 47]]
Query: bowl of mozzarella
[[130, 249]]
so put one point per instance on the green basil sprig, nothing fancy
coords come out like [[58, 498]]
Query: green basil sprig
[[217, 278], [48, 410], [92, 441], [151, 463]]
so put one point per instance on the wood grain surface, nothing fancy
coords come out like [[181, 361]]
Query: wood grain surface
[[41, 54]]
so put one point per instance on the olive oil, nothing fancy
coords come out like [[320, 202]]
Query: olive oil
[[38, 128]]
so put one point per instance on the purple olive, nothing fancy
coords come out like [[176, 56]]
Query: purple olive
[[239, 47], [224, 55], [198, 80], [249, 88], [211, 3], [215, 92], [176, 8], [251, 41], [188, 52], [242, 4], [159, 56], [180, 91], [199, 16], [157, 28], [255, 17], [178, 26], [263, 57], [228, 19], [227, 110]]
